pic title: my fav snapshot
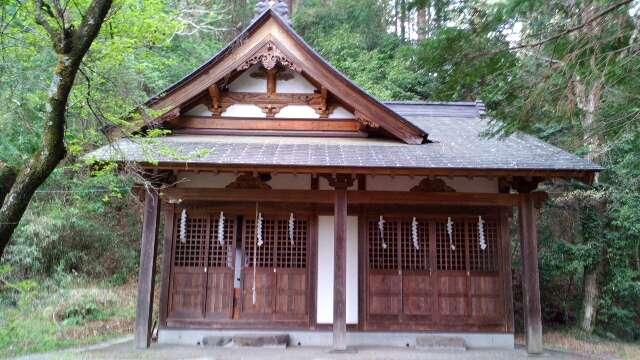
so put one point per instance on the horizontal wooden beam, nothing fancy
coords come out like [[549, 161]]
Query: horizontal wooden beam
[[327, 197], [203, 122], [585, 176]]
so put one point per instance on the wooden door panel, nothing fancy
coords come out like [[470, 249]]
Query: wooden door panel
[[219, 294], [187, 296], [417, 294], [486, 299], [385, 289], [263, 307], [291, 294]]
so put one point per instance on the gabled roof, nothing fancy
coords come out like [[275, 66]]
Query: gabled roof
[[457, 147], [270, 28]]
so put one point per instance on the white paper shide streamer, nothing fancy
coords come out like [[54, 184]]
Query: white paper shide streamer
[[481, 239], [414, 233], [450, 232], [259, 230], [221, 229], [183, 226], [291, 228], [381, 228]]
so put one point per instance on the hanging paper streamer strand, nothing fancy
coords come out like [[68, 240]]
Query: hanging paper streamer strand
[[221, 229], [291, 228], [183, 226], [450, 232], [259, 230], [414, 233], [481, 238], [255, 255], [381, 228]]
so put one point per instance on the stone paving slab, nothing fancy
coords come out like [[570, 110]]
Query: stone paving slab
[[125, 350]]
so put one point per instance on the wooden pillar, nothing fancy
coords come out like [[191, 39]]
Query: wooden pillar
[[148, 246], [340, 183], [527, 216], [340, 271]]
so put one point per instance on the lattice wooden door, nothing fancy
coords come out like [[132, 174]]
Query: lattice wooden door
[[399, 284], [441, 283], [201, 283], [281, 272]]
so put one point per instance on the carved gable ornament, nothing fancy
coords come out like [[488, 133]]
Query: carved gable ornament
[[248, 181], [269, 56], [432, 185]]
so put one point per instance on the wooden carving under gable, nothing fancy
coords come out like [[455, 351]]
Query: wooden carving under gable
[[366, 121], [432, 185], [248, 181], [269, 56]]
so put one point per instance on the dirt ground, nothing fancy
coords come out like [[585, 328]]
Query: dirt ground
[[123, 349]]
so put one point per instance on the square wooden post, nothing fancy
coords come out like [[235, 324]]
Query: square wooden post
[[527, 217], [340, 183], [148, 246], [340, 271]]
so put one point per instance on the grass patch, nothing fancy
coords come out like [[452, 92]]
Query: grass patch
[[48, 318]]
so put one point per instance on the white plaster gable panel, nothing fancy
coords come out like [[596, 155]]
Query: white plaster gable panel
[[199, 110], [341, 113], [204, 180], [405, 183], [296, 85], [290, 182], [246, 83], [324, 309], [297, 112], [244, 110]]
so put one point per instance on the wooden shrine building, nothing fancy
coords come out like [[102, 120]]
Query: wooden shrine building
[[294, 202]]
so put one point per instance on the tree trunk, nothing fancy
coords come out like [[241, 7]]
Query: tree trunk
[[422, 23], [591, 296], [403, 19], [71, 45], [7, 178]]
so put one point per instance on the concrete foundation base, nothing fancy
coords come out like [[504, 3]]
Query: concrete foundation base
[[324, 338]]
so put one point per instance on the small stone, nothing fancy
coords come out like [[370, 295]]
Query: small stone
[[215, 341], [440, 343], [267, 340]]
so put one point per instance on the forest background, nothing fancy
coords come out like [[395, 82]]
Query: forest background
[[567, 71]]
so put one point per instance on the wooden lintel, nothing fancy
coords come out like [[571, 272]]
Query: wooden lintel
[[327, 197], [448, 172], [203, 122]]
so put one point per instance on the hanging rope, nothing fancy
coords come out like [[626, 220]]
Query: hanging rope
[[381, 228], [481, 239], [221, 229], [450, 232], [183, 226], [291, 229], [414, 233]]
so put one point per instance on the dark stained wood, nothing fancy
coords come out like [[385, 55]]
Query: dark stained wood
[[273, 124], [530, 277], [168, 211], [280, 169], [433, 287], [148, 244], [283, 133], [326, 197], [505, 231], [340, 267]]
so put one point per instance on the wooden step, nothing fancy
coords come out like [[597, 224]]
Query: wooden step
[[262, 340], [440, 343]]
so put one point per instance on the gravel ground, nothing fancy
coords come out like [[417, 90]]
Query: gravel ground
[[123, 349]]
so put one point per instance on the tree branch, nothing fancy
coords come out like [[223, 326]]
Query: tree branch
[[565, 32]]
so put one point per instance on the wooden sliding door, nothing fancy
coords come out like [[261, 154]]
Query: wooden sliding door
[[201, 283], [280, 265], [433, 281]]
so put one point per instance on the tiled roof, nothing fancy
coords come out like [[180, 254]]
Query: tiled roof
[[455, 131]]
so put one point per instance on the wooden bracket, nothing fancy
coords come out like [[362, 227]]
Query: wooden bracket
[[340, 181]]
